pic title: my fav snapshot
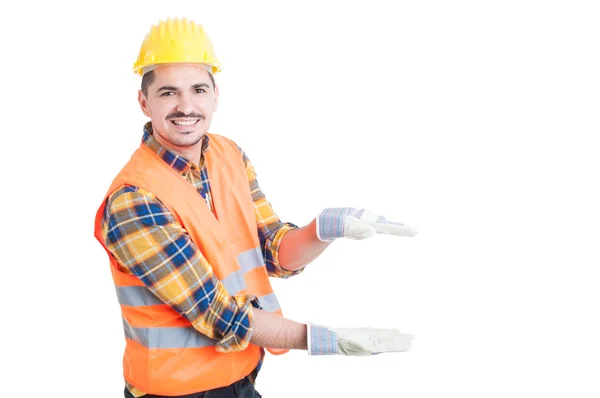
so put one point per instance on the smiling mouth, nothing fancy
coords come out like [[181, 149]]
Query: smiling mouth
[[185, 123]]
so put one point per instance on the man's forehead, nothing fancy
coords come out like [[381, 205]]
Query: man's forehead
[[181, 71]]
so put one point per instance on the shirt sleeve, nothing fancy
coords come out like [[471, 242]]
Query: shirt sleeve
[[271, 229], [149, 242]]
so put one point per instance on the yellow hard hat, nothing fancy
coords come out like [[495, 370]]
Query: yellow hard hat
[[176, 40]]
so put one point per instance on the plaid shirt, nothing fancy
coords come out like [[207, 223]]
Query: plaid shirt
[[139, 230]]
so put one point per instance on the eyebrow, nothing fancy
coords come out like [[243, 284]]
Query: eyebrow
[[173, 88], [168, 88]]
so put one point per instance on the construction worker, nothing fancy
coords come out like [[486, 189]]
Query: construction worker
[[192, 242]]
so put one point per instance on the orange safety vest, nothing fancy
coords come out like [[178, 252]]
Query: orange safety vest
[[164, 354]]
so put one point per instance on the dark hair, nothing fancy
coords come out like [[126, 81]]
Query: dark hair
[[148, 79]]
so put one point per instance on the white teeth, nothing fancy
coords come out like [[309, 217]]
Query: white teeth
[[184, 122]]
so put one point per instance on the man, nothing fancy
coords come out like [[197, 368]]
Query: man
[[192, 242]]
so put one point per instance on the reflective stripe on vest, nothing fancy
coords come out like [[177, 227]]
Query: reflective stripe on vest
[[167, 337], [248, 260]]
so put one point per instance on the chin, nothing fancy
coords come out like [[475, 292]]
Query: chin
[[189, 139]]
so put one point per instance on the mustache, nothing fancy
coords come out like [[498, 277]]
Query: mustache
[[180, 115]]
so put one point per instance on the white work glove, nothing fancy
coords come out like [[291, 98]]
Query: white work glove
[[348, 222], [355, 341]]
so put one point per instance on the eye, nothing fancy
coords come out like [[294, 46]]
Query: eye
[[167, 94], [200, 90]]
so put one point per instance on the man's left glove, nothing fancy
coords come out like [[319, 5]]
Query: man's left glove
[[348, 222]]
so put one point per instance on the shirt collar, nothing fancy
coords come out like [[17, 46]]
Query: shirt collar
[[178, 163]]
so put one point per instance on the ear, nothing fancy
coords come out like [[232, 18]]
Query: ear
[[143, 103], [216, 98]]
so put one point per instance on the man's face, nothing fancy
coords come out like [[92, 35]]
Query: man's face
[[180, 102]]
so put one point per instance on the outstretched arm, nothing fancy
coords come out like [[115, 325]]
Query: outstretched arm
[[271, 330], [288, 249]]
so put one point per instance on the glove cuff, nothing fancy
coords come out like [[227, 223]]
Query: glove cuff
[[330, 223], [321, 341]]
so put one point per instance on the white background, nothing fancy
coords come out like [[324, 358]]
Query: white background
[[476, 121]]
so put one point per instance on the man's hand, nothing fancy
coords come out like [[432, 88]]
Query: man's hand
[[348, 222], [355, 341]]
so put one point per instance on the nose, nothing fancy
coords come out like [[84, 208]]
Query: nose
[[185, 104]]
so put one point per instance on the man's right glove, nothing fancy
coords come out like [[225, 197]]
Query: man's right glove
[[355, 341]]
